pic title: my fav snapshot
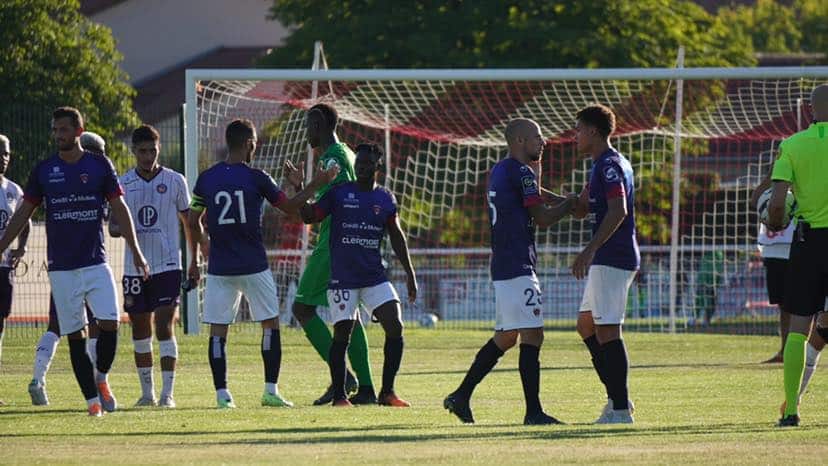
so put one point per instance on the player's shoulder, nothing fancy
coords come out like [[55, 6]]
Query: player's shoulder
[[384, 192], [11, 188], [128, 177], [174, 176], [100, 159]]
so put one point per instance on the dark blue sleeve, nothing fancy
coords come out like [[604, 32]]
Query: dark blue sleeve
[[527, 184], [34, 190], [270, 190], [111, 187]]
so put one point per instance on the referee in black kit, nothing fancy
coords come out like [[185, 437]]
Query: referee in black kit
[[803, 166]]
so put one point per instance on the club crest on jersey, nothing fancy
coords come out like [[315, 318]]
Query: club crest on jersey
[[377, 209], [611, 174], [161, 188], [9, 196], [84, 178]]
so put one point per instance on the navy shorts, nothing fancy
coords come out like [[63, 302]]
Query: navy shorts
[[163, 289], [6, 291], [90, 318]]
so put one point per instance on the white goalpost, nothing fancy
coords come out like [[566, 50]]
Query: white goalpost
[[699, 140]]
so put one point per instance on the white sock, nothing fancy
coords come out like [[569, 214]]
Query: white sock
[[224, 394], [147, 383], [271, 388], [92, 401], [811, 360], [44, 353], [1, 346], [92, 350], [168, 380], [101, 377]]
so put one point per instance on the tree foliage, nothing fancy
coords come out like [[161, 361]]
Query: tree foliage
[[493, 33], [52, 56]]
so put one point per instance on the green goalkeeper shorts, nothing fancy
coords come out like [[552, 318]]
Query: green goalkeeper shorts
[[313, 285]]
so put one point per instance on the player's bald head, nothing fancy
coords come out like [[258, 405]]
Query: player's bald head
[[519, 128], [819, 102]]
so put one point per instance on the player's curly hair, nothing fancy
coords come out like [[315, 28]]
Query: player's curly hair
[[329, 114], [599, 116], [145, 133]]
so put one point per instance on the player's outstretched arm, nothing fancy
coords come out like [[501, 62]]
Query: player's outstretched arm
[[321, 177], [581, 205], [19, 220], [308, 214], [545, 215], [22, 241], [197, 237], [400, 247], [120, 213], [616, 212], [776, 206]]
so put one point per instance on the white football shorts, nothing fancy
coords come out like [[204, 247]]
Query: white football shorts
[[606, 294], [222, 296], [94, 284], [518, 303], [344, 304]]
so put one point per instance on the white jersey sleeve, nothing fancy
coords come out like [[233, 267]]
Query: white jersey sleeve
[[12, 197]]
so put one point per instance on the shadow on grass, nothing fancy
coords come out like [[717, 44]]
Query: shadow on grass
[[401, 433], [590, 368]]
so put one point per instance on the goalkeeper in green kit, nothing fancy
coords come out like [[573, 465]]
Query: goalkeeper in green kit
[[321, 120]]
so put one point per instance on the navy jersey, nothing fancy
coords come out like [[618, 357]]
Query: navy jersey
[[513, 188], [233, 195], [74, 195], [358, 224], [612, 177]]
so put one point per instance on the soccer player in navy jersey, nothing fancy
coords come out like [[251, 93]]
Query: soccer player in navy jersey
[[360, 213], [515, 209], [232, 193], [610, 260], [47, 344], [73, 186]]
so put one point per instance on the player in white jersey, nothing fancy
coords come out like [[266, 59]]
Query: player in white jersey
[[158, 199], [10, 197]]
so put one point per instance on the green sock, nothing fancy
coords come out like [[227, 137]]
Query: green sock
[[794, 365], [319, 335], [358, 355]]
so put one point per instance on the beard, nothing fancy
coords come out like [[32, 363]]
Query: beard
[[66, 145]]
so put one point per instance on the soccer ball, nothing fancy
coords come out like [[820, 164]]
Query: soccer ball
[[764, 200], [428, 320]]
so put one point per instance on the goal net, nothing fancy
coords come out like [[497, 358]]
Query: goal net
[[443, 132]]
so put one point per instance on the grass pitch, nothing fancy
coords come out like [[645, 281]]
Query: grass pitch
[[699, 399]]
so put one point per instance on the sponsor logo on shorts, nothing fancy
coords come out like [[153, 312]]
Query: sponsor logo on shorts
[[128, 301], [342, 307], [536, 312]]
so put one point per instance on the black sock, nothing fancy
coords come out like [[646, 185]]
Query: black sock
[[529, 367], [391, 363], [594, 350], [82, 367], [336, 363], [483, 363], [218, 361], [614, 356], [271, 354], [105, 350]]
